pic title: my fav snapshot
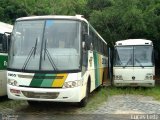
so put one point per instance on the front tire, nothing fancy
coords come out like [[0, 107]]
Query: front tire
[[84, 101]]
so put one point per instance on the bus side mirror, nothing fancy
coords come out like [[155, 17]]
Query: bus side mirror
[[83, 44], [87, 42]]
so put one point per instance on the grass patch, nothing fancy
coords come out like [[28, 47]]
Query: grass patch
[[154, 92], [6, 103], [98, 97]]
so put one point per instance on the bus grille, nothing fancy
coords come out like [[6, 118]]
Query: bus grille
[[47, 95]]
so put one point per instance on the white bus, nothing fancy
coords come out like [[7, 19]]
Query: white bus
[[3, 56], [134, 63], [55, 58]]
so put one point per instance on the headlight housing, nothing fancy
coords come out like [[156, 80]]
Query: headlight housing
[[118, 77], [12, 82], [72, 84], [149, 76]]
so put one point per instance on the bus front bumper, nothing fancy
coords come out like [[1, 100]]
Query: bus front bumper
[[143, 83], [44, 94]]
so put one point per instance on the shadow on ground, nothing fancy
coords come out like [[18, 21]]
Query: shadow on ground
[[48, 108]]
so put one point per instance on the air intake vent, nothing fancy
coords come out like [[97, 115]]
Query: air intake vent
[[51, 95]]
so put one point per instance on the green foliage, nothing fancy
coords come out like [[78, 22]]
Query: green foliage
[[99, 4], [113, 19]]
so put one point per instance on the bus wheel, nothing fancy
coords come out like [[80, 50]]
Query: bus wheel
[[84, 101], [103, 80]]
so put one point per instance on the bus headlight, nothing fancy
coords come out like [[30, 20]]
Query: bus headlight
[[149, 76], [118, 77], [72, 84], [12, 82]]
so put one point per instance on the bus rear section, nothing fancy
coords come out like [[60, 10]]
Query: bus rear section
[[4, 43], [134, 63]]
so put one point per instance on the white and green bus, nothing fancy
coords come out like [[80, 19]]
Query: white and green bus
[[134, 63], [4, 29], [55, 58]]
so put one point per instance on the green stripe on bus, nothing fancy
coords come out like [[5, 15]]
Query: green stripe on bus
[[48, 82], [3, 62], [97, 72], [37, 80], [42, 80]]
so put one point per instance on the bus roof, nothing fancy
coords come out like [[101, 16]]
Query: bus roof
[[76, 17], [4, 27], [133, 42]]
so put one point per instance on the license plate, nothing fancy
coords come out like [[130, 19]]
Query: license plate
[[134, 84]]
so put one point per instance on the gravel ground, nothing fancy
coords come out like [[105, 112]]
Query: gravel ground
[[129, 104], [118, 107]]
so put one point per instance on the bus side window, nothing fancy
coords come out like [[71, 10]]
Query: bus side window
[[5, 42], [91, 38], [84, 28], [85, 55]]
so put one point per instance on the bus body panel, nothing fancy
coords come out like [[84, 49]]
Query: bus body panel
[[26, 82], [133, 76], [5, 27], [141, 73], [3, 76], [97, 68], [137, 72], [3, 58], [41, 94]]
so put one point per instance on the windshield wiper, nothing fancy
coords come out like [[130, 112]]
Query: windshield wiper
[[13, 44], [49, 56], [32, 52], [128, 62], [139, 62], [35, 47], [118, 62]]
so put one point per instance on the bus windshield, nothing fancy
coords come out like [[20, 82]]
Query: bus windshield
[[47, 45], [137, 56]]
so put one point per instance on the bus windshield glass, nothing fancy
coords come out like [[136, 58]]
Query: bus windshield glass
[[133, 56], [47, 45]]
